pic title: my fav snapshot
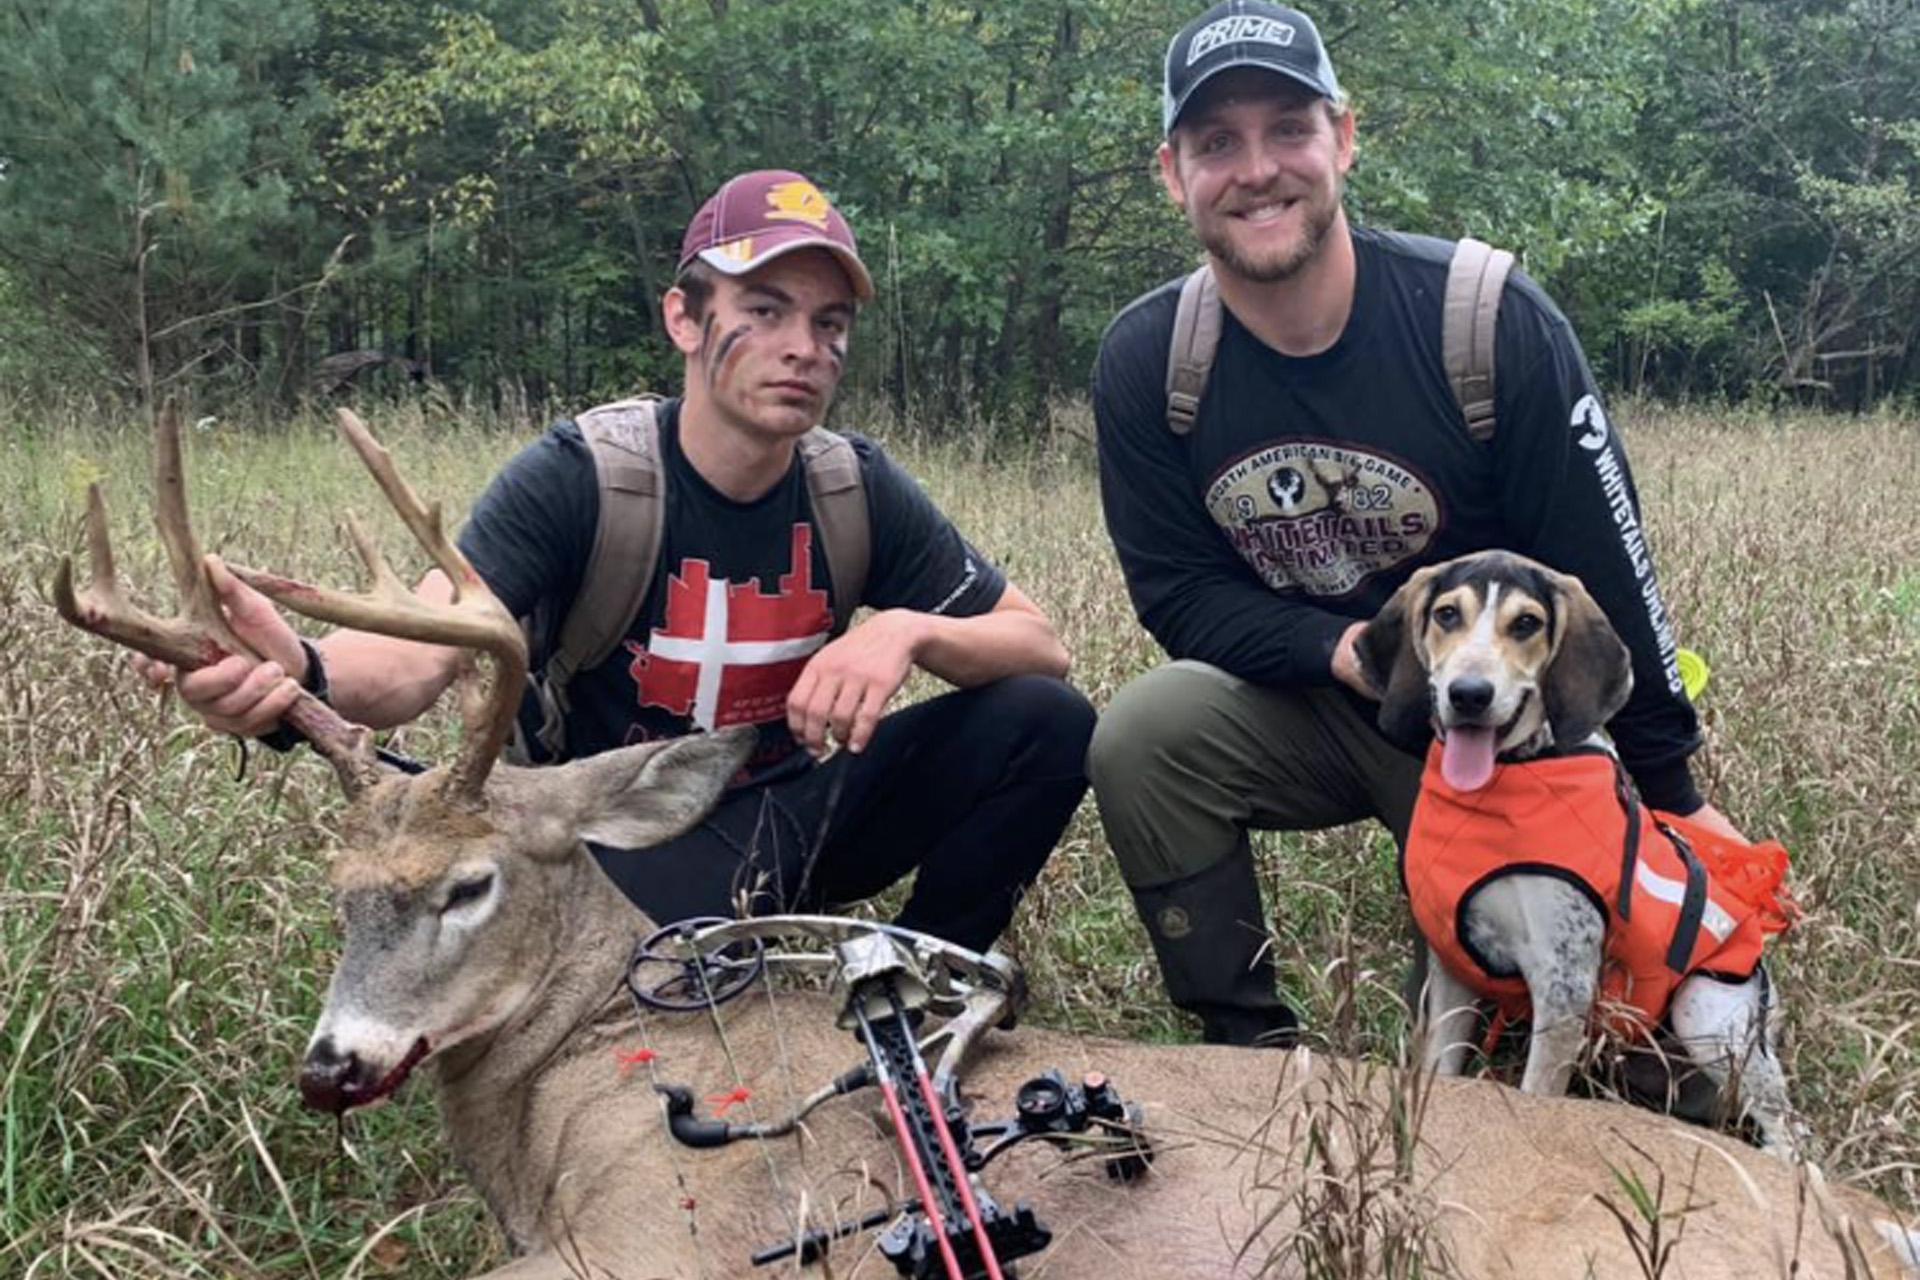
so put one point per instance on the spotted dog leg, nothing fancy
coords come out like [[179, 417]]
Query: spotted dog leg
[[1725, 1030], [1547, 930]]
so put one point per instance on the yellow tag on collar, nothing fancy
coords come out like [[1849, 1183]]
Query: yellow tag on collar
[[1694, 673]]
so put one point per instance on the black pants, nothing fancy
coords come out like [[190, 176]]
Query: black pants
[[970, 789]]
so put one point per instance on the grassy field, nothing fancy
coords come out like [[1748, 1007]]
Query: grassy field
[[164, 937]]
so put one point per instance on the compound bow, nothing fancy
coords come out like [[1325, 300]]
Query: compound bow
[[894, 981]]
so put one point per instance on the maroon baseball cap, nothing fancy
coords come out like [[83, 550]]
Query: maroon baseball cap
[[757, 217]]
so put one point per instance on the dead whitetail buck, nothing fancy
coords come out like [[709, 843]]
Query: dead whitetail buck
[[483, 941]]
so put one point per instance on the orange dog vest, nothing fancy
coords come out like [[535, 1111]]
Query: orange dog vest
[[1678, 899]]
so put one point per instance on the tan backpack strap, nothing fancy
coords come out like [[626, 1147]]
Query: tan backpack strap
[[624, 438], [839, 498], [1196, 336], [1468, 319]]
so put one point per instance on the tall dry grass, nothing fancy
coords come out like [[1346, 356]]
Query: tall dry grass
[[164, 939]]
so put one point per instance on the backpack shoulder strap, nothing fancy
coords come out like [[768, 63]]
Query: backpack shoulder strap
[[1196, 336], [839, 498], [624, 438], [1475, 280]]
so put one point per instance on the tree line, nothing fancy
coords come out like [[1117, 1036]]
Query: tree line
[[268, 198]]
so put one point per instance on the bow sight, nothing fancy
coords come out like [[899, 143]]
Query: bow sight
[[896, 981]]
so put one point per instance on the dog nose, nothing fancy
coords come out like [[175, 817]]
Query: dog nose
[[1470, 695]]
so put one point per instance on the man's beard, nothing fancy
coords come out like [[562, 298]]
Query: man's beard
[[1271, 269]]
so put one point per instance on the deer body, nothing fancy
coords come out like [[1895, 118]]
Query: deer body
[[573, 1157]]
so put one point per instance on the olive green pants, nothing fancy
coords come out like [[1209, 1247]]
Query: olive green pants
[[1188, 758]]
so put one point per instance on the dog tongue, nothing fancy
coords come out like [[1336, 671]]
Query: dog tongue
[[1466, 757]]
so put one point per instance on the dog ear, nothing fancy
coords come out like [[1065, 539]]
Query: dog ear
[[1590, 672], [1393, 660]]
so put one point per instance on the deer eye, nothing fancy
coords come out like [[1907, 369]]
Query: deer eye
[[1526, 626], [466, 891]]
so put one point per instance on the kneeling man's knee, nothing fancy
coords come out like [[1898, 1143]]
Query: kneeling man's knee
[[1164, 799], [1155, 719], [1049, 714]]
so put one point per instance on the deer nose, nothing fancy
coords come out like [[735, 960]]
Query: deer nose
[[329, 1079], [1470, 695]]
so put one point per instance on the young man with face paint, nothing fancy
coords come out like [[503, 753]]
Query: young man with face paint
[[1329, 460], [969, 789]]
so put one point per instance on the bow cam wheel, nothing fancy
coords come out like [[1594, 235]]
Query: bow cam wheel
[[670, 972]]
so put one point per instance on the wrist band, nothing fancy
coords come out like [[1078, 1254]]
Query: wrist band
[[285, 737], [315, 681]]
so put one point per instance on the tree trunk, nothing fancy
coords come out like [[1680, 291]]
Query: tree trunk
[[1057, 222]]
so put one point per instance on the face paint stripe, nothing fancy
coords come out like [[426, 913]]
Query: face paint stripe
[[729, 346]]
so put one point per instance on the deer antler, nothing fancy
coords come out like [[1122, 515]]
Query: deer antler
[[473, 620], [198, 635]]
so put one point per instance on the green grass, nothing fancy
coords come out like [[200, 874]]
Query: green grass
[[164, 938]]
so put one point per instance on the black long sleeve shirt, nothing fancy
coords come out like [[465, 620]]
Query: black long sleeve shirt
[[1312, 487]]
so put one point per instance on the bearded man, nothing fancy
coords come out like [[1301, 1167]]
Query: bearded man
[[1326, 460]]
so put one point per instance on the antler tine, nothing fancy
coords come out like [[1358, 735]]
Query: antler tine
[[200, 636], [421, 519], [102, 608], [105, 581], [198, 606], [474, 619]]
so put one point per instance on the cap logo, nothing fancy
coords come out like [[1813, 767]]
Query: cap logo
[[798, 201], [1237, 29]]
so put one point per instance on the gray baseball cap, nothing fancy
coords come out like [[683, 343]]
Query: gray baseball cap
[[1245, 33]]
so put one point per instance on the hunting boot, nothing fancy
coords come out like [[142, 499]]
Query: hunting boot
[[1210, 937]]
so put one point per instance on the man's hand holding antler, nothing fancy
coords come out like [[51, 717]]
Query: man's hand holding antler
[[238, 694]]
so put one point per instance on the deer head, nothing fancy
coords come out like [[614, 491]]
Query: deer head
[[460, 889], [459, 923]]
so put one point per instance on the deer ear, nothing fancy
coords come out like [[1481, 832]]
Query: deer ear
[[1590, 673], [1393, 661], [645, 795]]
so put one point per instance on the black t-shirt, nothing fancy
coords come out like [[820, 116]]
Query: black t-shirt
[[741, 597], [1312, 487]]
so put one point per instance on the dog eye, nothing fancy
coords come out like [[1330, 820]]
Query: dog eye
[[1447, 616], [1526, 626], [467, 891]]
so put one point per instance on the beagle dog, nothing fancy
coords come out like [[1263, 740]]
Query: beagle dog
[[1536, 877]]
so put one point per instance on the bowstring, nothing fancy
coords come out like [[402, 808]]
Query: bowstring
[[689, 1203], [740, 1083]]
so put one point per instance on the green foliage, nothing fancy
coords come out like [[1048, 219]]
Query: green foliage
[[1794, 128], [36, 358], [1699, 323], [1720, 194], [994, 155], [169, 140], [522, 154], [1505, 123]]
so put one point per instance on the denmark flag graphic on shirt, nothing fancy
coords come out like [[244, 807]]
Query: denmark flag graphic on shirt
[[730, 651]]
